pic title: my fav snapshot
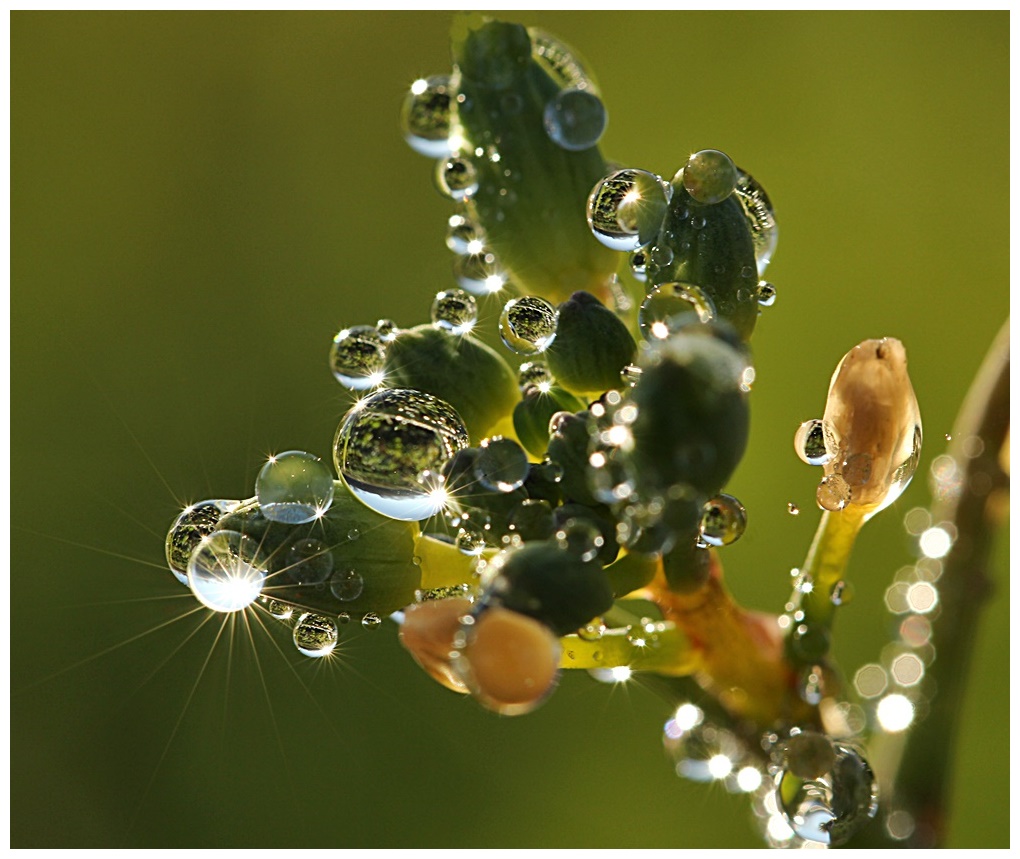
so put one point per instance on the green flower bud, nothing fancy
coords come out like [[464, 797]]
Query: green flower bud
[[591, 348], [463, 371], [710, 246], [551, 584], [351, 559], [533, 413], [532, 191]]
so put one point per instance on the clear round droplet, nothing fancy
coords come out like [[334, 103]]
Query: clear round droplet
[[387, 440], [528, 324], [371, 620], [810, 443], [226, 572], [710, 176], [766, 293], [668, 307], [357, 357], [761, 218], [534, 374], [639, 264], [470, 539], [454, 311], [280, 610], [792, 508], [315, 635], [479, 273], [723, 520], [456, 177], [347, 585], [592, 631], [309, 561], [833, 493], [464, 236], [626, 209], [294, 487], [426, 114], [191, 525], [501, 464], [580, 537], [387, 330], [575, 119]]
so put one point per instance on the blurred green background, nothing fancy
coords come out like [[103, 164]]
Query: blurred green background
[[199, 201]]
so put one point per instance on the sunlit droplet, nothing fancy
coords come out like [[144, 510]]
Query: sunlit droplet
[[527, 325], [626, 209], [761, 218], [710, 176], [425, 116], [315, 635], [723, 520], [357, 357], [456, 177], [294, 487], [454, 311], [191, 525], [501, 464], [226, 572]]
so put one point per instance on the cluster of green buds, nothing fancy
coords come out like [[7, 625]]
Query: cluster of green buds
[[506, 517]]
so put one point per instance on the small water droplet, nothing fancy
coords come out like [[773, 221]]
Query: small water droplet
[[454, 311], [309, 561], [353, 534], [810, 442], [630, 374], [280, 610], [387, 330], [387, 440], [723, 520], [580, 537], [479, 273], [315, 635], [710, 176], [626, 209], [761, 218], [464, 236], [766, 293], [347, 585], [639, 264], [661, 255], [357, 357], [343, 617], [371, 620], [534, 374], [792, 508], [470, 538], [456, 177], [532, 519], [501, 464], [528, 324], [592, 631], [425, 116], [575, 119], [294, 487], [668, 307], [833, 493]]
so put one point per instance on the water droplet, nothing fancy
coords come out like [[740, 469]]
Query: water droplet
[[810, 442], [387, 440], [592, 631], [668, 307], [357, 357], [387, 330], [761, 218], [626, 209], [343, 617], [294, 487], [501, 464], [225, 572], [353, 534], [456, 177], [580, 537], [766, 293], [559, 60], [371, 620], [309, 561], [470, 538], [347, 585], [710, 176], [842, 593], [425, 116], [464, 236], [661, 255], [528, 325], [280, 610], [194, 522], [830, 807], [639, 264], [833, 493], [479, 273], [315, 634], [534, 374], [792, 508], [703, 752], [454, 311], [723, 520], [630, 374], [575, 119]]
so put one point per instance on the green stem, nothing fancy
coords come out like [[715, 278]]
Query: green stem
[[826, 562], [661, 648]]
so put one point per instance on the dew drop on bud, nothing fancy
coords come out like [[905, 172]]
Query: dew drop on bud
[[479, 273], [358, 356], [425, 116], [226, 572], [761, 218], [639, 264], [810, 443], [315, 635], [792, 508], [669, 306], [534, 374], [454, 311], [456, 177], [387, 330], [464, 236], [387, 440], [294, 487], [192, 524], [723, 520], [766, 293], [710, 176], [501, 464], [575, 119], [308, 561], [833, 493], [626, 209], [470, 539], [347, 585], [528, 324], [370, 620]]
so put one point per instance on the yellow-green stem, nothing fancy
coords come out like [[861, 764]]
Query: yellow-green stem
[[663, 649], [826, 562]]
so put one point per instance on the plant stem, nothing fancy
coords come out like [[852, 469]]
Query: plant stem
[[826, 561], [663, 649]]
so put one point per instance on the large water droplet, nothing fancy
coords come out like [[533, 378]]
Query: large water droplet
[[814, 442], [575, 119], [347, 585], [456, 177], [455, 311], [528, 324], [226, 572], [723, 520], [357, 357], [761, 218], [668, 307], [626, 209], [387, 440], [309, 561], [194, 522], [425, 116], [710, 176], [294, 487], [315, 634], [501, 464]]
